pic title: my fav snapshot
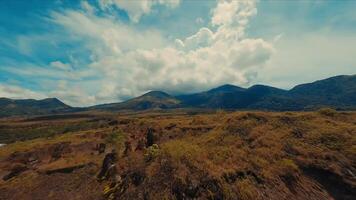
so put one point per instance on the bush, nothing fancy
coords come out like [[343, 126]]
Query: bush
[[117, 139], [152, 152]]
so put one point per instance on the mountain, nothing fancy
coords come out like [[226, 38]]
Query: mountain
[[229, 97], [338, 92], [334, 91], [150, 100], [220, 97], [12, 107]]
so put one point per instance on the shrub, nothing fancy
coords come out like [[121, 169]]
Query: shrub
[[117, 139], [152, 152]]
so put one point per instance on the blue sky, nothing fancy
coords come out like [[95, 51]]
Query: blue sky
[[100, 51]]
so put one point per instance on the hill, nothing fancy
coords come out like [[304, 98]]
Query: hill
[[11, 107], [335, 91], [150, 100], [338, 92], [229, 97]]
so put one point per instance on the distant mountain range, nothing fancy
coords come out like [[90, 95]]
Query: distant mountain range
[[338, 92]]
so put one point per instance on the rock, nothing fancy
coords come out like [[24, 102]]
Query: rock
[[149, 137], [32, 160], [108, 161], [111, 173], [15, 171]]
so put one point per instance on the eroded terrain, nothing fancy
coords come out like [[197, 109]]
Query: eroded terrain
[[180, 155]]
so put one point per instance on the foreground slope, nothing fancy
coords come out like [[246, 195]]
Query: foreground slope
[[239, 155]]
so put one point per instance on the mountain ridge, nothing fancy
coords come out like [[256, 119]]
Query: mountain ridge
[[338, 92], [14, 107]]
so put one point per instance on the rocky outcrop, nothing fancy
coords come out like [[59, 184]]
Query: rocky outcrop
[[149, 137], [15, 171], [107, 165]]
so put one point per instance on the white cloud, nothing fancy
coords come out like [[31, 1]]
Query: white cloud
[[202, 38], [127, 62], [72, 94], [87, 7], [233, 13], [60, 65], [17, 92], [137, 8], [132, 62], [104, 35], [123, 60]]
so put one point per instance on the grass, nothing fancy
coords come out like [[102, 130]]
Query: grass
[[193, 153], [28, 131]]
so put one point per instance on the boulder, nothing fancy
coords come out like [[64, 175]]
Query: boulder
[[108, 161]]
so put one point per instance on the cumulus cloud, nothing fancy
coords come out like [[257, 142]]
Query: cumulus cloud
[[124, 62], [233, 13], [133, 62], [136, 8], [202, 38]]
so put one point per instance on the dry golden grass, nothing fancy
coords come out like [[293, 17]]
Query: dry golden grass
[[222, 155]]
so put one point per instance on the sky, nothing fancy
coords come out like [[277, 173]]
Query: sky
[[89, 52]]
